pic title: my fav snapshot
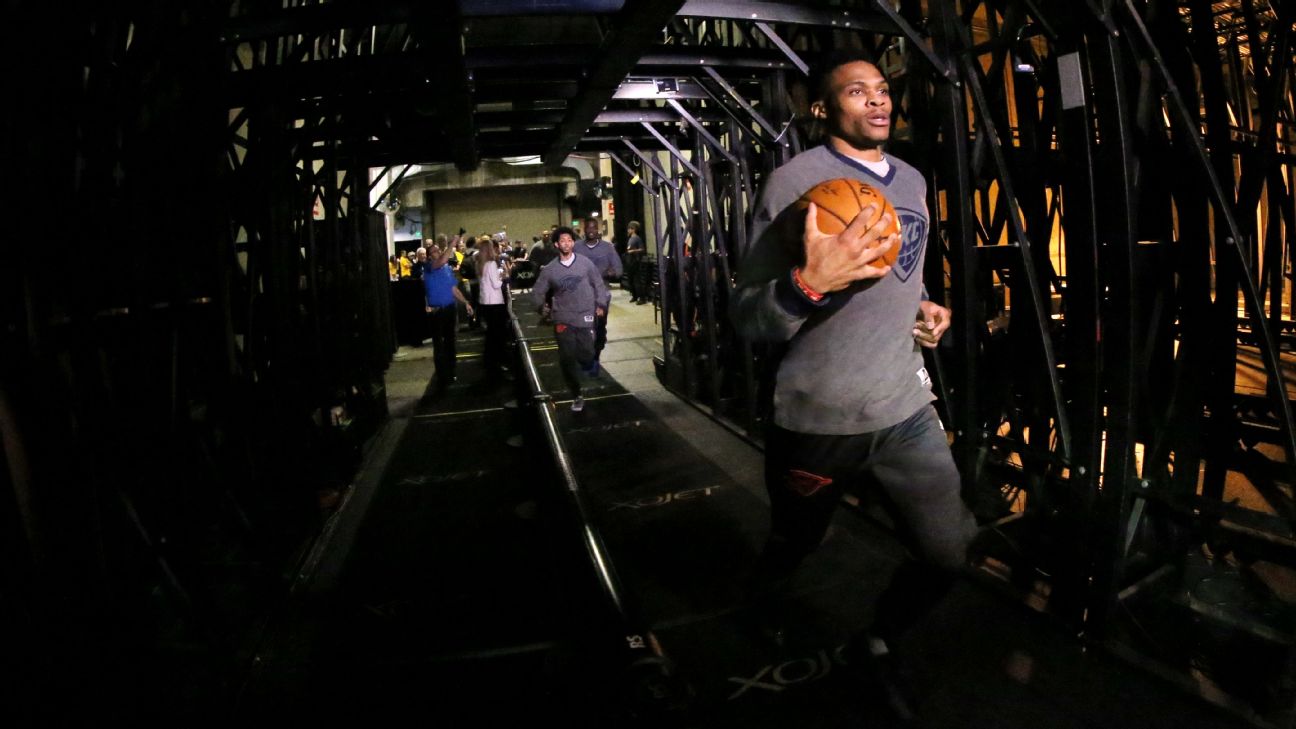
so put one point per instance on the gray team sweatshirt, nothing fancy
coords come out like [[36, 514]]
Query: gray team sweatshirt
[[604, 256], [852, 365], [577, 290]]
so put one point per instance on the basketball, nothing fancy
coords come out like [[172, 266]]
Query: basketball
[[840, 200]]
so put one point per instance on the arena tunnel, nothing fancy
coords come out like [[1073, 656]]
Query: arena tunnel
[[236, 490]]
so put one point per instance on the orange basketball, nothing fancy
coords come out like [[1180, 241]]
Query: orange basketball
[[840, 200]]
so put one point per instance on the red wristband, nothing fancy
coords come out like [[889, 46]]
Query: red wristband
[[810, 293]]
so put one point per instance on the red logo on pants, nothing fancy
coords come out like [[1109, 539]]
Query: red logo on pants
[[805, 483]]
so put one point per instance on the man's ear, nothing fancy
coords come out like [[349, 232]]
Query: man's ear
[[818, 110]]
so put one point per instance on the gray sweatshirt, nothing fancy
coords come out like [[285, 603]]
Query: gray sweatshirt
[[577, 289], [852, 365], [604, 256]]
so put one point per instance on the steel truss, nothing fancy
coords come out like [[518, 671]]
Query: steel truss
[[173, 416], [1113, 237]]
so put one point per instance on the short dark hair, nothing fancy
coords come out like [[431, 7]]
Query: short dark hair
[[563, 229], [830, 61], [633, 225]]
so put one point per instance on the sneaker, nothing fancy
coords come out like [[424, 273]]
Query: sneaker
[[873, 660], [578, 404]]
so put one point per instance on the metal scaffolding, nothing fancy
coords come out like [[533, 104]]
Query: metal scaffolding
[[1110, 185]]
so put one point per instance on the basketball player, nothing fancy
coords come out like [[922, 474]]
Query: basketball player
[[852, 401], [571, 289]]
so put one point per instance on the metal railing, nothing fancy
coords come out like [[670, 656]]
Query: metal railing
[[651, 685]]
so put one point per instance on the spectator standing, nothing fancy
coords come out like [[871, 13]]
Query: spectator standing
[[546, 252], [420, 264], [493, 312], [635, 251], [441, 293]]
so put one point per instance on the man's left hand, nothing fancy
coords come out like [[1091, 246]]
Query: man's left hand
[[599, 311], [933, 320]]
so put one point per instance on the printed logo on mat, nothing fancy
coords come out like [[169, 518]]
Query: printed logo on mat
[[805, 483]]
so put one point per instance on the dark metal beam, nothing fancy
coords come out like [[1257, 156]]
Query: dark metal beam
[[719, 57], [392, 186], [568, 55], [647, 89], [742, 102], [782, 45], [702, 131], [553, 117], [673, 150], [442, 49], [532, 91], [772, 12], [634, 176], [652, 163], [315, 19], [340, 76], [636, 28], [635, 116]]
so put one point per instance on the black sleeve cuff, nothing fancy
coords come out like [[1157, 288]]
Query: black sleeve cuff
[[791, 299]]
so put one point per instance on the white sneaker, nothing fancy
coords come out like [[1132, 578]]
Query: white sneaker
[[578, 404]]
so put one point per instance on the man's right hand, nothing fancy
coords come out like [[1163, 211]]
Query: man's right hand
[[834, 262]]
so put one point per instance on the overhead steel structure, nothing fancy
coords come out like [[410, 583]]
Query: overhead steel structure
[[1109, 180]]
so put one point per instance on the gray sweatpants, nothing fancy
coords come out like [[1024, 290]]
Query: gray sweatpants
[[910, 464]]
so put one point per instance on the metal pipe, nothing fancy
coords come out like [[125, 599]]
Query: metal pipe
[[640, 645]]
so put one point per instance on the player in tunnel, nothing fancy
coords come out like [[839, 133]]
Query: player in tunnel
[[852, 403]]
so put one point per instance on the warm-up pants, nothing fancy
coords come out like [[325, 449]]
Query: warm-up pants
[[575, 353], [910, 466]]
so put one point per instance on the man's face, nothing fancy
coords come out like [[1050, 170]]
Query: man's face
[[857, 107], [545, 237], [591, 230], [565, 244]]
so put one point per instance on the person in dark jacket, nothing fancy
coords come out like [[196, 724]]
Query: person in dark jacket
[[608, 264]]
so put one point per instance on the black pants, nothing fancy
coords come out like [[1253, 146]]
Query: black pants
[[443, 322], [634, 261], [474, 293], [910, 465], [600, 333], [495, 316], [575, 353]]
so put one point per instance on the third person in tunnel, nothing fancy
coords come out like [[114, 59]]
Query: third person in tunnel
[[852, 400], [606, 261]]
